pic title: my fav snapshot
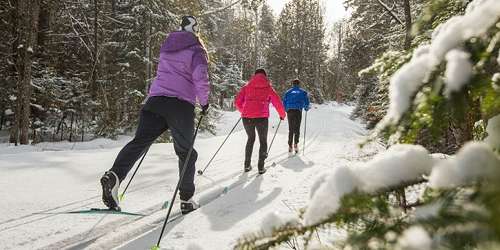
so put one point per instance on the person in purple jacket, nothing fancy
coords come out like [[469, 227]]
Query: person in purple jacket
[[181, 79]]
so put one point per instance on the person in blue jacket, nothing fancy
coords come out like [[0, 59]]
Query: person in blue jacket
[[295, 100]]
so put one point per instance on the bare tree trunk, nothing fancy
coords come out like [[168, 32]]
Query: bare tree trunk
[[408, 24], [256, 38], [2, 118], [149, 70], [13, 138], [338, 76], [94, 66], [71, 126], [27, 31]]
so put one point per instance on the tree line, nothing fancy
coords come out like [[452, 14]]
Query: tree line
[[78, 69]]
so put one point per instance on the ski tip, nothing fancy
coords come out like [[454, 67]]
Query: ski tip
[[165, 206], [121, 197], [225, 190], [200, 172], [155, 248]]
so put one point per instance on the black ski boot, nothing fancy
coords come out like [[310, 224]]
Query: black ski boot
[[262, 170], [188, 206], [248, 167], [110, 184]]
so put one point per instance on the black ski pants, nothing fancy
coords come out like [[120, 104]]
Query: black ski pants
[[294, 120], [158, 115], [261, 125]]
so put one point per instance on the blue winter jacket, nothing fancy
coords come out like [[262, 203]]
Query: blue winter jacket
[[296, 98]]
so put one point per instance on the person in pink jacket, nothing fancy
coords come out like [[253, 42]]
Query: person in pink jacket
[[253, 103], [181, 80]]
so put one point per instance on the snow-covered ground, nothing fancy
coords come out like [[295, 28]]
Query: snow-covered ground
[[40, 185]]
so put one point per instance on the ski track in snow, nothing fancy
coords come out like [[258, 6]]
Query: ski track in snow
[[39, 188]]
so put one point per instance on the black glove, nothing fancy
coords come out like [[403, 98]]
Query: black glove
[[282, 118], [204, 109]]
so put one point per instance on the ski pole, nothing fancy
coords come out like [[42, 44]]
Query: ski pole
[[157, 246], [305, 130], [135, 172], [274, 136], [200, 172]]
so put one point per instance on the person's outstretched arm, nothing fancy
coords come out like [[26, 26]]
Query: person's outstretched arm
[[276, 101], [199, 66]]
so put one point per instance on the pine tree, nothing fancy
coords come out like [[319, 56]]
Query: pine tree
[[299, 50]]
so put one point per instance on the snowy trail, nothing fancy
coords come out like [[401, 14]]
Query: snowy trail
[[39, 188]]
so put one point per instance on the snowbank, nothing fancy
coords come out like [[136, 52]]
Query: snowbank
[[475, 160], [100, 143]]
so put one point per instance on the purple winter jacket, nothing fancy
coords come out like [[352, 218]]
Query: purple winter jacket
[[183, 69]]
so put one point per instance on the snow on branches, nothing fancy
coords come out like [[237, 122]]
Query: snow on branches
[[493, 130], [447, 37], [476, 160], [415, 238], [400, 163], [277, 220], [458, 70]]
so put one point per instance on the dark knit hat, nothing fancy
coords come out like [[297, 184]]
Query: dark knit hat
[[261, 71], [190, 24], [296, 82]]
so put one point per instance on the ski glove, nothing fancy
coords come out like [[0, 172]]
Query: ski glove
[[282, 118], [204, 109]]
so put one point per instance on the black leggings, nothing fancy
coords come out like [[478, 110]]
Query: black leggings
[[294, 119], [158, 115], [251, 124]]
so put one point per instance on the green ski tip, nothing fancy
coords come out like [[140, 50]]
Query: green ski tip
[[226, 189], [121, 197], [155, 248], [165, 206]]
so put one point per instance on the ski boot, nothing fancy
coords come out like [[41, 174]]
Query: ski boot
[[290, 149], [248, 167], [296, 146], [110, 184], [262, 170], [188, 206]]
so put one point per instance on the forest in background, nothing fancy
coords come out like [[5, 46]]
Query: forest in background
[[76, 70], [79, 69]]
